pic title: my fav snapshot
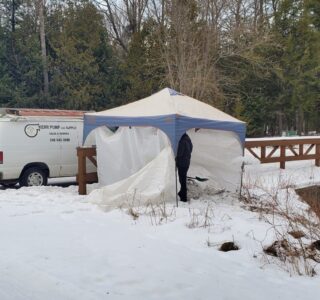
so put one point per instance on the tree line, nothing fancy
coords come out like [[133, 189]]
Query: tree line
[[258, 60]]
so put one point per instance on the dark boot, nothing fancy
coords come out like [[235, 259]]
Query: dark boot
[[182, 197]]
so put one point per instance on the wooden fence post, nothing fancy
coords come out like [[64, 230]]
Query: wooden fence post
[[282, 156], [263, 152], [317, 160], [81, 178]]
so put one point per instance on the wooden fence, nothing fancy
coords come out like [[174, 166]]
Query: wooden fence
[[290, 150], [264, 150]]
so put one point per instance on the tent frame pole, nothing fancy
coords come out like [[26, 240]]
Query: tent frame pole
[[177, 202], [241, 181]]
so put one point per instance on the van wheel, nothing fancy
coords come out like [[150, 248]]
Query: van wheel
[[33, 177]]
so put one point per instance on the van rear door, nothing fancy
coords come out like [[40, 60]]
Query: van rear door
[[71, 138]]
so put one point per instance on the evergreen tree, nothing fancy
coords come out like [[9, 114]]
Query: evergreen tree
[[20, 47], [6, 83], [83, 69], [297, 28], [143, 68]]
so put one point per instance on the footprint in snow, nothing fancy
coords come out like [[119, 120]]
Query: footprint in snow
[[19, 215], [84, 209], [37, 212], [67, 212]]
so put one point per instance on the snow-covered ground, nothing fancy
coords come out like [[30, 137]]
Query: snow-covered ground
[[56, 245]]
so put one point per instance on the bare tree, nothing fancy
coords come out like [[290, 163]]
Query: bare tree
[[190, 50], [125, 18], [157, 9], [40, 6]]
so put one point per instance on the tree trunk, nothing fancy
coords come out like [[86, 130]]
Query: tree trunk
[[43, 49], [300, 120], [301, 125], [261, 14], [13, 16], [280, 123]]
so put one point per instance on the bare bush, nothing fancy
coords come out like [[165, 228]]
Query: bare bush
[[294, 226]]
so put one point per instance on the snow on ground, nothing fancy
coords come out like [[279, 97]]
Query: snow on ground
[[56, 245]]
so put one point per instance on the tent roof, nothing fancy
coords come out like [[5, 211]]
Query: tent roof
[[167, 102], [168, 110]]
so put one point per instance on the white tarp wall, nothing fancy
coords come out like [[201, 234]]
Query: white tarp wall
[[216, 155], [137, 164]]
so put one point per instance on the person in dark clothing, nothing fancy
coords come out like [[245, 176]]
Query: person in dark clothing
[[183, 162]]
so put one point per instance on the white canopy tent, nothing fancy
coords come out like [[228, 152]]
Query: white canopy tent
[[137, 161]]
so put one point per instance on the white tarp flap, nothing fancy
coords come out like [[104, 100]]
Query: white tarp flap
[[154, 183], [126, 151], [216, 155]]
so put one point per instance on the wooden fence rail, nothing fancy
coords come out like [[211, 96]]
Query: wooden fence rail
[[290, 150]]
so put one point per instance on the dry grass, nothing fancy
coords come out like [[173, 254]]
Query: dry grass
[[295, 227], [161, 213], [201, 218], [158, 213]]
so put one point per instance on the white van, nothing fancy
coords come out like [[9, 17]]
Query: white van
[[37, 144]]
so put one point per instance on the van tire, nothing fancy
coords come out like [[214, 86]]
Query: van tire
[[33, 177]]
